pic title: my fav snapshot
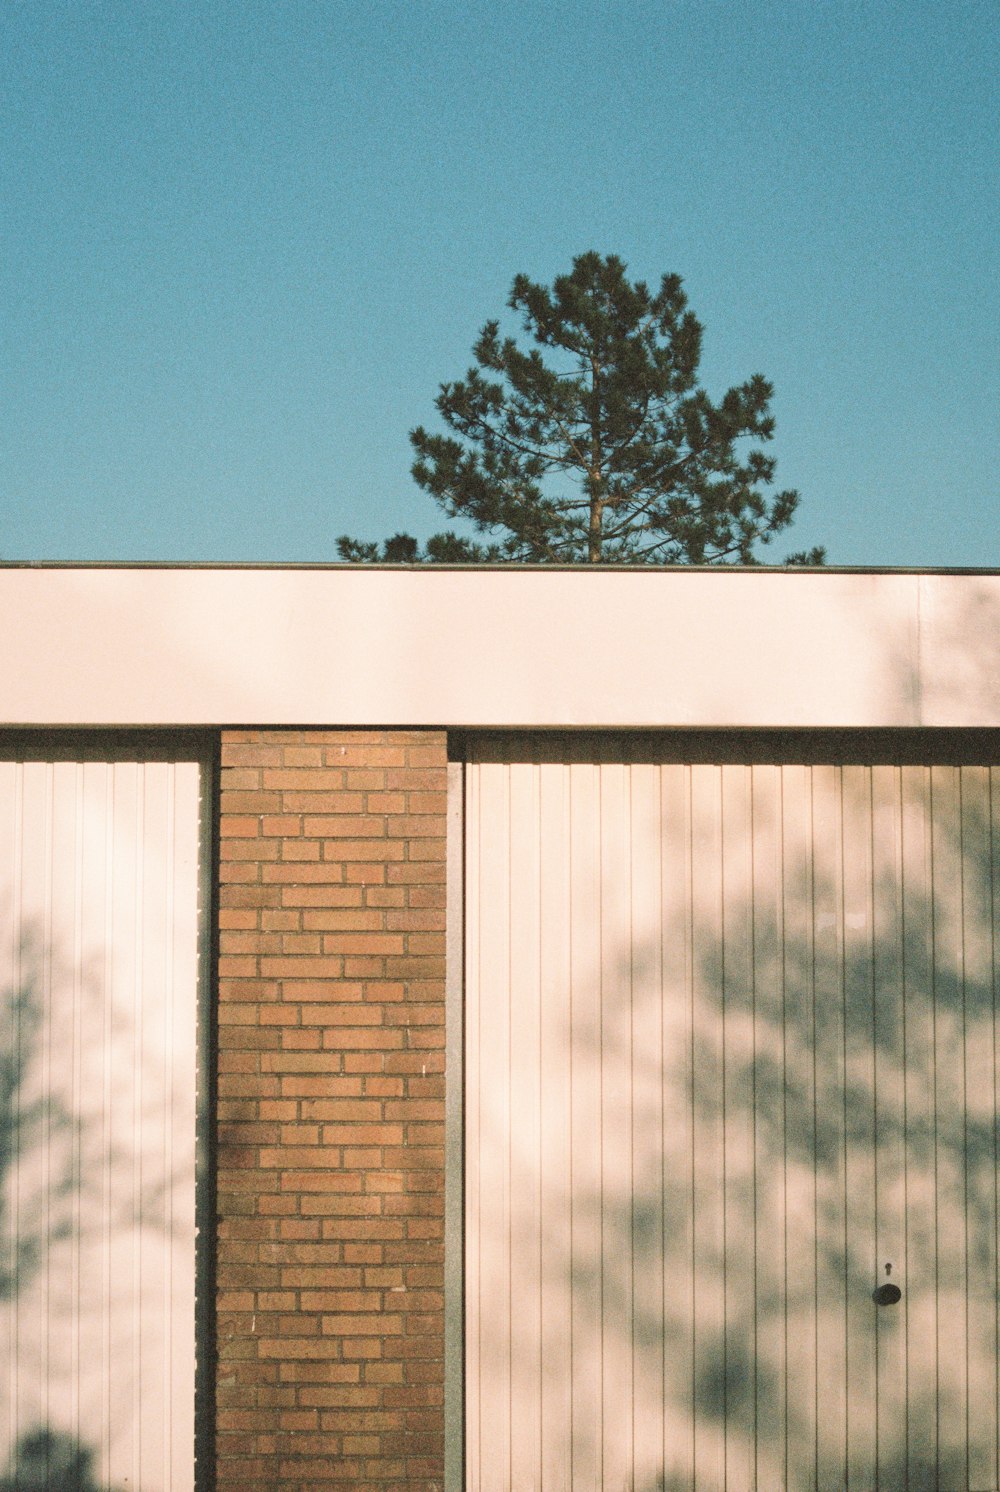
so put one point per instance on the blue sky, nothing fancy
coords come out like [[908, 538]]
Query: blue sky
[[243, 243]]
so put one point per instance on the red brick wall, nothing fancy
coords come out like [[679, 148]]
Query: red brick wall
[[331, 1110]]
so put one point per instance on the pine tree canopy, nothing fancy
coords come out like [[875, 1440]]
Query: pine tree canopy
[[597, 443]]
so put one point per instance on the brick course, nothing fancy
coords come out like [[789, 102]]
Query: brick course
[[330, 1308]]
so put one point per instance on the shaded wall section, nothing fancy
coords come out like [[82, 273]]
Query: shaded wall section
[[99, 966], [732, 1066], [330, 1094]]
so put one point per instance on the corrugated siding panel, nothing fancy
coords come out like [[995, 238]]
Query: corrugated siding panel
[[731, 1065], [99, 942]]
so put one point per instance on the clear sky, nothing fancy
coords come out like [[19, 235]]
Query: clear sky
[[242, 243]]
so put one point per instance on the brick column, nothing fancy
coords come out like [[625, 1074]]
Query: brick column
[[331, 1110]]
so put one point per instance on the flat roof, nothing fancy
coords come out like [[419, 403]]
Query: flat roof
[[419, 568], [574, 647]]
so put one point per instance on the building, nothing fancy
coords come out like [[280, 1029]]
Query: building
[[500, 1028]]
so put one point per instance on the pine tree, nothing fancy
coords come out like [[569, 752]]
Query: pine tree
[[597, 444]]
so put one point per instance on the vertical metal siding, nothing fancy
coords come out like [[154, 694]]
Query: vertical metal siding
[[731, 1051], [99, 941]]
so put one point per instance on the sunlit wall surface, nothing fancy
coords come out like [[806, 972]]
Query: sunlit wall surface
[[98, 975], [731, 1068]]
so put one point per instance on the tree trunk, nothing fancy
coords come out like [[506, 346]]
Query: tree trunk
[[595, 544]]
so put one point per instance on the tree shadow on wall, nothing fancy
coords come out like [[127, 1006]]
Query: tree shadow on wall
[[29, 1121], [43, 1459], [50, 1461], [66, 1190], [790, 1081]]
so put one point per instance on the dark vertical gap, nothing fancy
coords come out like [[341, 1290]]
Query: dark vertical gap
[[136, 1145], [16, 1125], [689, 970], [627, 792], [934, 1112], [479, 1126], [455, 1117], [815, 1125], [725, 1176], [568, 801], [780, 902], [76, 1081], [598, 778], [539, 1098], [751, 827], [508, 1006], [996, 1109], [46, 1051], [661, 892], [875, 1116], [107, 1086], [965, 1088], [904, 981], [206, 1126], [25, 989], [842, 959], [460, 1037]]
